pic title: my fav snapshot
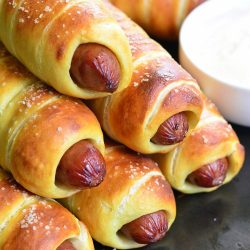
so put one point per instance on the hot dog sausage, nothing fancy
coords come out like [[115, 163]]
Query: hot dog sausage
[[81, 166], [210, 175], [147, 229], [172, 131], [95, 67], [66, 245]]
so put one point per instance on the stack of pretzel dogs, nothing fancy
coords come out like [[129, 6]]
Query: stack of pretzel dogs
[[71, 70]]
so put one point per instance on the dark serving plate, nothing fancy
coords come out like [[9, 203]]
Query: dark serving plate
[[219, 220]]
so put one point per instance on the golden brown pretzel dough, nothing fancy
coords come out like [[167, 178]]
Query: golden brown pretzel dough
[[133, 187], [37, 126], [211, 140], [160, 18], [159, 89], [44, 35], [30, 222]]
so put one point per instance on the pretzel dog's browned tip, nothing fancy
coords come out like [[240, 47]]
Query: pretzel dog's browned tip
[[210, 175], [66, 245], [172, 131], [95, 67], [82, 166], [147, 229]]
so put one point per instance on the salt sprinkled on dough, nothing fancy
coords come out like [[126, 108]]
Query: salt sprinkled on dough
[[157, 182], [31, 218], [47, 9], [135, 84]]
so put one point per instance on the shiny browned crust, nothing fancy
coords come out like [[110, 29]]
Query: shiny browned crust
[[133, 187], [133, 116], [37, 145], [37, 128], [30, 222], [211, 140]]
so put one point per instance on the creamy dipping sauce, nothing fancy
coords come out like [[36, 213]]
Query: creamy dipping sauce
[[221, 44]]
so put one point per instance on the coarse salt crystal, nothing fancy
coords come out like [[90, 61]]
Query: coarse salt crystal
[[47, 9]]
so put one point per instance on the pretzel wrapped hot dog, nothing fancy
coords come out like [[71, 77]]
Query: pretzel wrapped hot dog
[[210, 157], [51, 144], [30, 222], [162, 103], [133, 206], [160, 18], [75, 46]]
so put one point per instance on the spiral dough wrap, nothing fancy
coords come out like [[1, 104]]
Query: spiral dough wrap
[[160, 89], [31, 222], [48, 141], [48, 36], [210, 157], [133, 196]]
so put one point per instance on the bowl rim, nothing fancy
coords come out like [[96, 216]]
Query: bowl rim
[[186, 50]]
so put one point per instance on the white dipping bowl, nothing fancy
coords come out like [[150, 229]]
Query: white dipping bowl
[[215, 50]]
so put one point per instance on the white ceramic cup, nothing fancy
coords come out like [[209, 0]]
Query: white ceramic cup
[[215, 50]]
